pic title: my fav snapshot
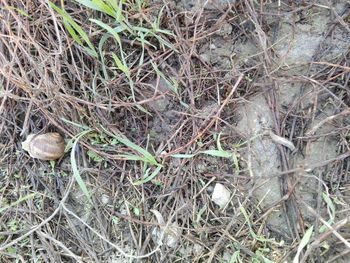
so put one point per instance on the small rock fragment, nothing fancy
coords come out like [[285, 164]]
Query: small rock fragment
[[105, 199], [169, 235], [225, 30], [197, 249], [221, 195]]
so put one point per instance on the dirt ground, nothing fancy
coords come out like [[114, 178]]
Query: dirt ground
[[195, 131]]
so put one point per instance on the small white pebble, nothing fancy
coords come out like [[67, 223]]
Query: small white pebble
[[105, 199], [226, 29], [169, 236], [221, 195], [210, 189], [197, 249]]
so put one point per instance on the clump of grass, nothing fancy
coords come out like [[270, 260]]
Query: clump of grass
[[118, 25], [76, 32]]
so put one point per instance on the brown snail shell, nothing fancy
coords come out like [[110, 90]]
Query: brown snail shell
[[47, 146]]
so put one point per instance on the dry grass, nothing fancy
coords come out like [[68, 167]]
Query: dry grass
[[49, 82]]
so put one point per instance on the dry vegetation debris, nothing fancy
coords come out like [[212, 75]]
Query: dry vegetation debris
[[159, 101]]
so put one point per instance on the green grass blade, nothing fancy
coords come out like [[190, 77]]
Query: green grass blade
[[331, 211], [149, 178], [98, 5], [235, 162], [104, 7], [102, 55], [137, 148], [76, 27], [143, 41], [330, 205], [22, 12], [75, 169], [71, 31], [112, 31], [83, 127], [217, 153], [119, 8], [161, 75], [124, 68], [113, 4], [151, 33], [165, 32], [184, 156], [303, 243], [142, 55], [124, 140], [90, 5], [130, 157], [218, 142], [246, 216], [156, 23], [164, 42]]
